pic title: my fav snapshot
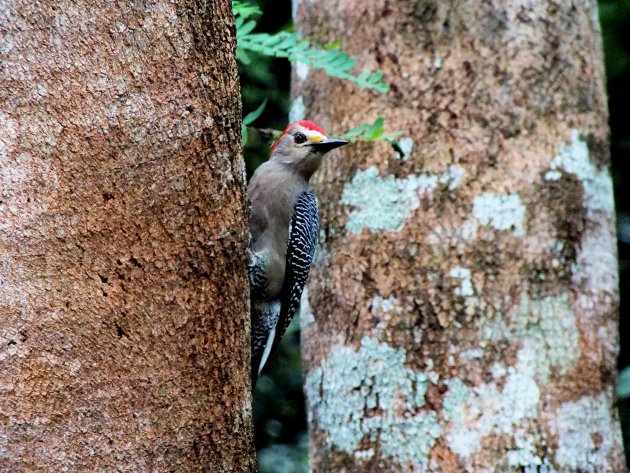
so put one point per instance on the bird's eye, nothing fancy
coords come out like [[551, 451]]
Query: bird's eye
[[299, 138]]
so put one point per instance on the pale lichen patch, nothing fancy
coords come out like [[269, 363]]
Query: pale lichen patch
[[468, 230], [525, 452], [457, 408], [297, 110], [502, 212], [385, 311], [23, 178], [306, 311], [74, 366], [7, 14], [380, 304], [472, 354], [384, 203], [452, 177], [405, 145], [475, 412], [373, 378], [585, 435], [12, 173], [508, 403], [388, 211], [11, 271], [595, 267], [465, 289], [574, 159], [19, 351], [498, 370], [535, 322], [301, 71]]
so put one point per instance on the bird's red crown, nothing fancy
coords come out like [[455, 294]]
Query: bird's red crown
[[309, 125]]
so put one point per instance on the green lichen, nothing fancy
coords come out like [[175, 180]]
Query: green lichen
[[502, 212], [384, 203], [596, 265], [550, 344], [378, 202], [524, 454], [587, 434], [548, 331], [476, 412], [574, 158], [465, 289], [458, 394], [405, 145], [369, 393]]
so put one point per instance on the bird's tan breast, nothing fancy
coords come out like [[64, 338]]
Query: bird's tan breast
[[273, 193]]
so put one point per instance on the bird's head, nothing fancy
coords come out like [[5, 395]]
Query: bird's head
[[302, 146]]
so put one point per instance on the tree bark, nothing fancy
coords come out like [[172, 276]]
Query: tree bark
[[123, 321], [462, 313]]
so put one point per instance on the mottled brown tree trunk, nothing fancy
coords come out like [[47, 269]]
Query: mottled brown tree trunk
[[462, 314], [123, 320]]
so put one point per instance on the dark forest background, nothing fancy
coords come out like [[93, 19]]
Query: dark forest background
[[280, 422]]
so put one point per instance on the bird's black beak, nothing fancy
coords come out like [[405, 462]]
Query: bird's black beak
[[326, 145]]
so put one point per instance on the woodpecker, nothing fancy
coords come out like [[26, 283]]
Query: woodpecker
[[283, 225]]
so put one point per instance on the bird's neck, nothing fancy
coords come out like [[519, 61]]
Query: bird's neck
[[303, 168], [308, 167]]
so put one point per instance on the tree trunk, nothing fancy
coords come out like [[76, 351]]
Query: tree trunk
[[462, 314], [123, 320]]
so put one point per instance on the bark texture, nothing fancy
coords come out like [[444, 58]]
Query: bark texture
[[123, 322], [462, 314]]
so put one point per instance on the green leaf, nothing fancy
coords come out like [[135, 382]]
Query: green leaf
[[246, 28], [374, 131], [238, 22], [332, 45], [251, 116], [356, 131], [244, 9], [377, 76], [242, 56]]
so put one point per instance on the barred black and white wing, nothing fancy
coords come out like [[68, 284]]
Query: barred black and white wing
[[257, 275], [303, 232]]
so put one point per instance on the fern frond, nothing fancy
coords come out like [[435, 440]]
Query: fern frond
[[372, 132], [250, 118], [283, 44], [244, 10]]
